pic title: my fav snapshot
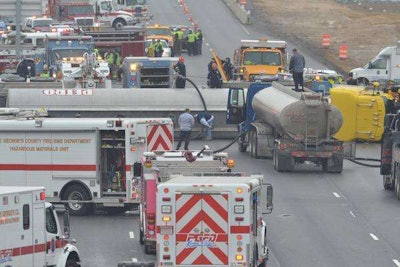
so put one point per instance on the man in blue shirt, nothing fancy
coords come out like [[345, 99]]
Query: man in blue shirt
[[207, 121], [186, 122]]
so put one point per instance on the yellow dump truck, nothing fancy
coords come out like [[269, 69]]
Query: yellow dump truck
[[363, 110], [259, 57]]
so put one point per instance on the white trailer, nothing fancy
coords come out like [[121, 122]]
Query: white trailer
[[30, 231], [81, 161], [212, 220]]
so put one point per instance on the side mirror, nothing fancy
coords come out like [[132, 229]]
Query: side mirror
[[66, 224], [137, 169], [270, 193]]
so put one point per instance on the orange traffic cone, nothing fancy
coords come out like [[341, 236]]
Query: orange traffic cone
[[325, 40], [343, 52]]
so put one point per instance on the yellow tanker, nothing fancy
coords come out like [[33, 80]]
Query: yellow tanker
[[363, 111]]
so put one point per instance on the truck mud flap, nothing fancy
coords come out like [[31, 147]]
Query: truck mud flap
[[136, 264], [386, 153]]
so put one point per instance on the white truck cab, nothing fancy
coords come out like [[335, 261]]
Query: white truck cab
[[385, 66], [31, 234]]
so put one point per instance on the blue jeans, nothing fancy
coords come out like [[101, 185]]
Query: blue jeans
[[208, 125]]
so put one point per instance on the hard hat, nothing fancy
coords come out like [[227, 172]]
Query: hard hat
[[214, 66], [181, 59]]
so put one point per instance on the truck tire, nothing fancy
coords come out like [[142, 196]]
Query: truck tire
[[71, 263], [147, 249], [253, 144], [362, 81], [77, 192], [397, 188], [282, 163], [263, 263], [119, 23], [242, 143], [141, 237], [388, 184]]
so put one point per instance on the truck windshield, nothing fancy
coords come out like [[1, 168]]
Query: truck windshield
[[158, 31], [41, 22], [68, 55], [262, 58], [79, 10], [135, 2]]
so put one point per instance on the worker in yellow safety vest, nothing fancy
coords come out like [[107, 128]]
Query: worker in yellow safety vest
[[45, 73], [191, 39]]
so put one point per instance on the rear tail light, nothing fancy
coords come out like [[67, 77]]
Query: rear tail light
[[166, 257]]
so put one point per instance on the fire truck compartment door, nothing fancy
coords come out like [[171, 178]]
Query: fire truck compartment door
[[202, 229]]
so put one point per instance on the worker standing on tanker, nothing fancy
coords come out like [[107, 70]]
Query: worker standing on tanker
[[296, 67], [180, 68], [186, 122]]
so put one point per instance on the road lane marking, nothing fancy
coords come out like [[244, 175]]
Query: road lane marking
[[336, 194], [396, 262], [248, 33], [131, 235], [352, 214], [374, 237], [134, 260]]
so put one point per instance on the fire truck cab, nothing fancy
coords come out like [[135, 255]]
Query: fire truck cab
[[213, 220], [158, 166]]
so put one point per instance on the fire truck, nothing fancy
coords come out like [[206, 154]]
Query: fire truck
[[128, 43], [81, 161], [30, 232], [157, 168], [213, 220], [145, 72]]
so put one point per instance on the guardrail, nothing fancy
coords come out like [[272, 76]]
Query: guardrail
[[241, 13]]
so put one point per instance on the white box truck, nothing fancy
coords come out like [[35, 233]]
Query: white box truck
[[30, 232], [385, 66]]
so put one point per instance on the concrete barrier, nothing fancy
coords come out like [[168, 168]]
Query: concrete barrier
[[240, 12]]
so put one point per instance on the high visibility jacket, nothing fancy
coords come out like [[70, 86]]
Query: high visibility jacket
[[191, 38], [45, 74], [180, 34], [110, 58]]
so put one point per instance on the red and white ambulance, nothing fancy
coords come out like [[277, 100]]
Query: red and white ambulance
[[30, 232], [158, 166], [212, 221], [81, 161]]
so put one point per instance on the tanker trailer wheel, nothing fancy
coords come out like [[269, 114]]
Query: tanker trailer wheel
[[141, 237], [77, 192]]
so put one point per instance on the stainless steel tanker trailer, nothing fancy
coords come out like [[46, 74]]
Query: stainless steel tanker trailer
[[291, 127]]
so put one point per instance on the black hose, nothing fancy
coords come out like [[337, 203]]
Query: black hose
[[197, 89], [231, 143], [368, 159], [364, 164]]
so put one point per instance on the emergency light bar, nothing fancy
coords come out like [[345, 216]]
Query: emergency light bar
[[263, 43]]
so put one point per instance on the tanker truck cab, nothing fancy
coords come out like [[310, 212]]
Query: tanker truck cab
[[385, 66], [30, 232]]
